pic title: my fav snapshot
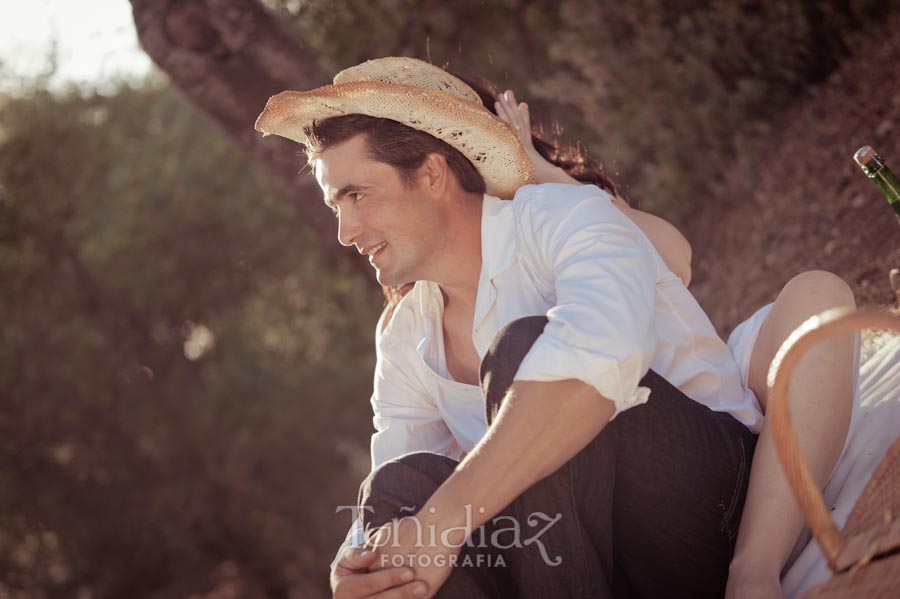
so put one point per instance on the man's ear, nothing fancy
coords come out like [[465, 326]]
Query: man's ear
[[435, 173]]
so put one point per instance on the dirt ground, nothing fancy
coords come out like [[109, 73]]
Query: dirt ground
[[802, 202]]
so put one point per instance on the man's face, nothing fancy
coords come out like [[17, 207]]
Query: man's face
[[378, 212]]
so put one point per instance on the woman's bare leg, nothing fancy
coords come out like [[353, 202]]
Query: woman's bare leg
[[820, 399]]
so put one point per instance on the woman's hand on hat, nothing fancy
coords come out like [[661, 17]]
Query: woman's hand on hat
[[517, 115]]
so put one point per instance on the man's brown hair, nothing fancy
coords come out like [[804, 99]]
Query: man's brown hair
[[392, 143]]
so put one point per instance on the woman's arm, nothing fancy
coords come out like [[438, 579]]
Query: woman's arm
[[668, 241]]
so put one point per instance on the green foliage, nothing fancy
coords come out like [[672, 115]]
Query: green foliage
[[683, 85], [466, 36], [126, 223]]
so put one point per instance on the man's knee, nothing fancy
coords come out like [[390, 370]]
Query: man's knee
[[401, 486], [501, 362]]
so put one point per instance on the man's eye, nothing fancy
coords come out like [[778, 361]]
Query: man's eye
[[356, 196]]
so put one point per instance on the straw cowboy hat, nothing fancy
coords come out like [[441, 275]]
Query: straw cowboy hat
[[418, 95]]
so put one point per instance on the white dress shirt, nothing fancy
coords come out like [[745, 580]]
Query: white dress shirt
[[614, 309]]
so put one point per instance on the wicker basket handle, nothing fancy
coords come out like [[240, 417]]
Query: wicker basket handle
[[806, 491]]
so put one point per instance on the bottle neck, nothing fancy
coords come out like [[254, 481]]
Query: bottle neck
[[888, 182], [883, 176]]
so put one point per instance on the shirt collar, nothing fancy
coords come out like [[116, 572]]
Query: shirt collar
[[499, 249], [499, 242]]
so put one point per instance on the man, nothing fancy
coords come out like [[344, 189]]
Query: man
[[559, 307]]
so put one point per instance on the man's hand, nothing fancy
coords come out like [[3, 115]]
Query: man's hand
[[351, 578], [399, 542]]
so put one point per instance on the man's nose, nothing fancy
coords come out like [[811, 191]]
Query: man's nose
[[348, 228]]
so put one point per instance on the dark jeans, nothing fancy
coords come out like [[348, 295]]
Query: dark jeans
[[650, 508]]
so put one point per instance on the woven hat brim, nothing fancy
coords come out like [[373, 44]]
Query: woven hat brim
[[489, 143]]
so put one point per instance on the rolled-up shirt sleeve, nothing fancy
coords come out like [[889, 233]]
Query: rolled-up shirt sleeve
[[405, 416], [601, 329]]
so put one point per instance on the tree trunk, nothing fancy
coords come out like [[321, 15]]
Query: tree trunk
[[227, 57]]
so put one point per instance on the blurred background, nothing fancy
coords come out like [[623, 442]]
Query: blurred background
[[186, 356]]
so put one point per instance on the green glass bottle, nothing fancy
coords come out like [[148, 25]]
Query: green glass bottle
[[873, 166]]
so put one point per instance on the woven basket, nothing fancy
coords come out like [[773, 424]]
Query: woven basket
[[865, 556]]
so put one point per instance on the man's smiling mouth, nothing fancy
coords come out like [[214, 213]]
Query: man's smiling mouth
[[374, 251]]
